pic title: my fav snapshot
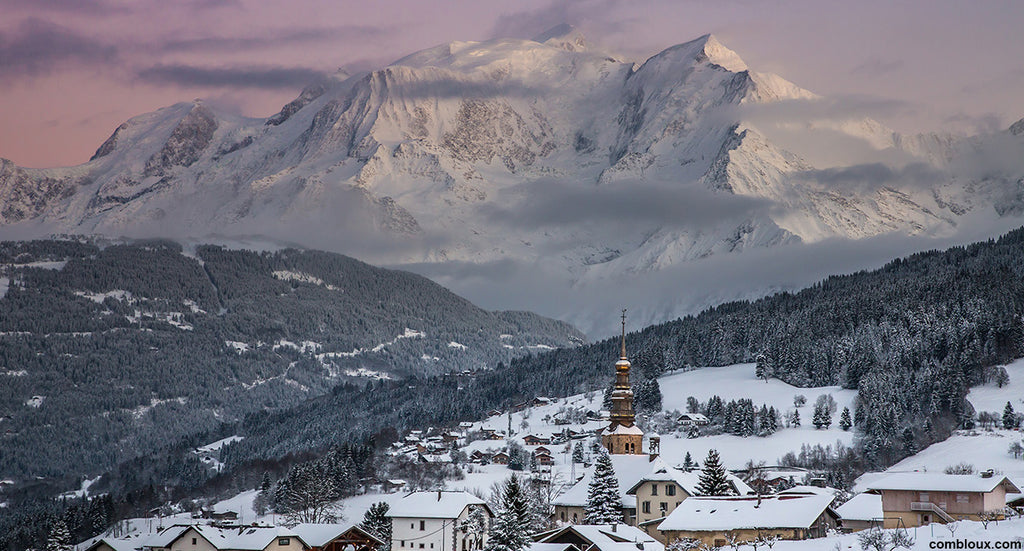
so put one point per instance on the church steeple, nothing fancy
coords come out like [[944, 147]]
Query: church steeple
[[622, 435]]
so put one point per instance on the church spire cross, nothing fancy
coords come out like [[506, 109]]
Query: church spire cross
[[623, 356]]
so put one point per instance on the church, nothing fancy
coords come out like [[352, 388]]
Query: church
[[624, 441], [623, 436]]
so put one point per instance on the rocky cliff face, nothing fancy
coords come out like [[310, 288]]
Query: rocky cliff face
[[456, 153]]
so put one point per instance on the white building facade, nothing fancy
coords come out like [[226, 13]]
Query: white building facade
[[438, 521]]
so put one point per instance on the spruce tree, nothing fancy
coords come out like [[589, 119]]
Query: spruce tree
[[376, 522], [773, 419], [59, 538], [909, 445], [604, 506], [577, 453], [510, 530], [688, 461], [844, 419], [713, 481], [1009, 417]]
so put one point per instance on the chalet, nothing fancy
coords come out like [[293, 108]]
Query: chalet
[[531, 440], [598, 537], [393, 485], [659, 492], [337, 537], [542, 450], [545, 459], [131, 543], [520, 406], [500, 458], [862, 512], [465, 425], [713, 521], [692, 420], [541, 401], [494, 413], [429, 521], [918, 499], [451, 437], [480, 457], [629, 469], [201, 537]]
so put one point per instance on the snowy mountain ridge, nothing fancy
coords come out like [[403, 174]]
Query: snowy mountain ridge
[[523, 151]]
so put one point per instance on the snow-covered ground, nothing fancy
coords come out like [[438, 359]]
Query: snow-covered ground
[[989, 397], [925, 537]]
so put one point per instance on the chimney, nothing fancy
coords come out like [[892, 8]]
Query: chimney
[[439, 495], [615, 527]]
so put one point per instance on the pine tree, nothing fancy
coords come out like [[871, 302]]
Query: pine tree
[[688, 461], [475, 526], [773, 419], [577, 453], [822, 418], [603, 501], [794, 418], [713, 481], [510, 531], [909, 445], [376, 522], [1009, 417], [59, 538], [844, 419], [265, 484]]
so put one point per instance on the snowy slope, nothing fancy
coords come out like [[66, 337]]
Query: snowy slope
[[543, 153]]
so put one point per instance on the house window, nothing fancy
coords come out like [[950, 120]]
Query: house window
[[412, 525], [193, 541], [283, 541], [423, 526], [403, 543], [670, 490], [575, 519], [963, 498], [647, 507], [654, 489], [663, 507], [923, 496], [421, 546], [563, 516], [431, 546]]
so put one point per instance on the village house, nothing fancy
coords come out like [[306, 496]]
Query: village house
[[430, 521], [692, 419], [713, 521], [500, 458], [861, 512], [392, 485], [106, 543], [629, 469], [337, 537], [201, 537], [660, 491], [599, 537], [531, 440], [918, 499]]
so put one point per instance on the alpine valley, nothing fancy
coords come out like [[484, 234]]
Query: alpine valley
[[498, 168]]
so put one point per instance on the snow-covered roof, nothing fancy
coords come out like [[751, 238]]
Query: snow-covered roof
[[609, 537], [620, 429], [693, 416], [252, 538], [551, 547], [432, 504], [319, 535], [804, 489], [687, 480], [861, 507], [941, 482], [128, 543], [698, 514], [165, 537], [629, 469]]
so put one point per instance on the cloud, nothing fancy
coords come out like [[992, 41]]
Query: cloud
[[78, 7], [870, 177], [38, 47], [530, 23], [877, 66], [556, 203], [269, 40], [233, 77]]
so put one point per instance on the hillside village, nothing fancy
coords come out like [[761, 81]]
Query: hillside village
[[591, 479]]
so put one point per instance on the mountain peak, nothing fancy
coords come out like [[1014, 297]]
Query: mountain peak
[[563, 36], [1017, 128], [713, 51]]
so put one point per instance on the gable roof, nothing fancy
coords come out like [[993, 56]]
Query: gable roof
[[687, 480], [167, 536], [607, 537], [319, 535], [443, 504], [628, 470], [861, 507], [941, 482], [706, 514], [128, 543]]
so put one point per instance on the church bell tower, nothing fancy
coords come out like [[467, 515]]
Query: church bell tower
[[622, 436]]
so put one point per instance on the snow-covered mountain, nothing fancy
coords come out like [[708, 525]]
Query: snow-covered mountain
[[544, 154]]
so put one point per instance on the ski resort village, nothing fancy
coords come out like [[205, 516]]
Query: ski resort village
[[725, 459]]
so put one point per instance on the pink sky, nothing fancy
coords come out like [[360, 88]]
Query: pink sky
[[72, 70]]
